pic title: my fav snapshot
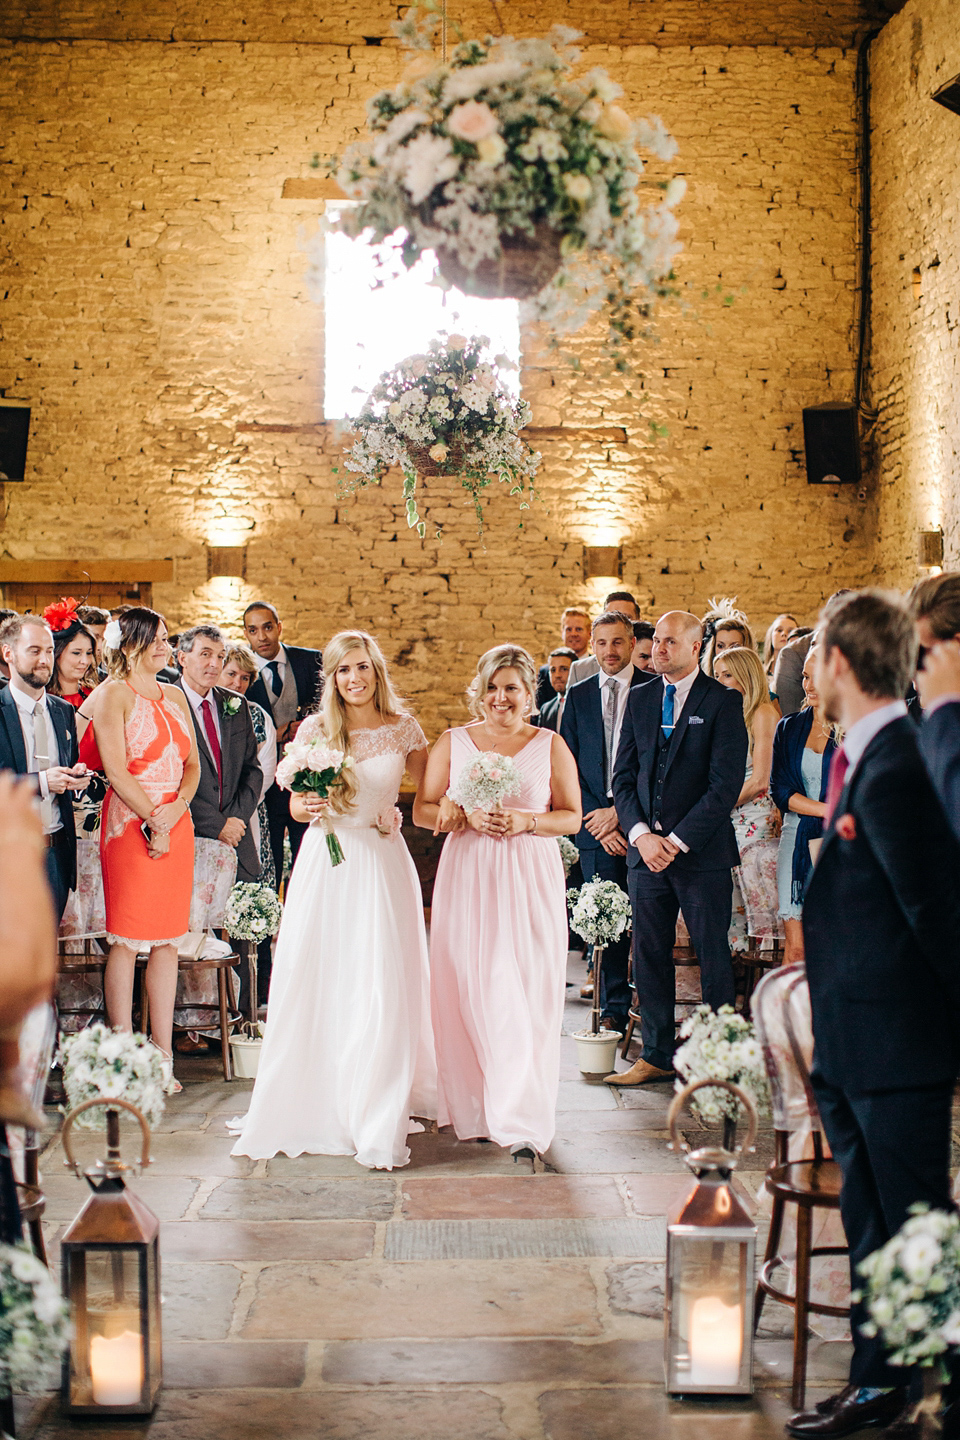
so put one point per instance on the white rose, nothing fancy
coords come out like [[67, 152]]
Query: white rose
[[393, 409], [578, 187], [615, 123], [456, 342], [472, 121], [438, 452], [491, 150]]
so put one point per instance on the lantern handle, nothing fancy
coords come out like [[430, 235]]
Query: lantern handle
[[113, 1152], [682, 1096]]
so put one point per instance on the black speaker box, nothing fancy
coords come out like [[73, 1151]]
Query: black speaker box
[[831, 438], [14, 428]]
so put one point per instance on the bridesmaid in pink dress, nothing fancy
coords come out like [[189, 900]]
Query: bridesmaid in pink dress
[[498, 943]]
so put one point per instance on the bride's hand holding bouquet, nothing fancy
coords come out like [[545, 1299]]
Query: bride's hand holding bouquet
[[318, 774]]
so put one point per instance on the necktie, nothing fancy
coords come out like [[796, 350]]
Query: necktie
[[276, 684], [839, 766], [43, 758], [666, 722], [609, 727], [211, 730]]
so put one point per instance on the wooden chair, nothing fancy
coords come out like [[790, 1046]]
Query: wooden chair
[[221, 964], [30, 1196], [781, 1011], [684, 956], [750, 966]]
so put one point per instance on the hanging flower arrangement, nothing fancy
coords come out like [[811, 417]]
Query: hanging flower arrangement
[[524, 179], [444, 413]]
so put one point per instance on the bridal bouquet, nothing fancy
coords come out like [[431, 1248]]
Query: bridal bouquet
[[912, 1288], [444, 413], [721, 1045], [311, 766], [33, 1322], [523, 177], [253, 911], [599, 911], [113, 1065], [486, 782]]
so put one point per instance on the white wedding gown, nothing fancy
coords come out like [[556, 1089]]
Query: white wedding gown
[[348, 1051]]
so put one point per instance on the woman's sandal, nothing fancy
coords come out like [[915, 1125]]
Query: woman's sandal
[[172, 1085]]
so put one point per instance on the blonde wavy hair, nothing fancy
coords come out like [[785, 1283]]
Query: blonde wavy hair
[[333, 711], [502, 657], [746, 667]]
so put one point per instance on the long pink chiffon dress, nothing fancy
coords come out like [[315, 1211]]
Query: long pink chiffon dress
[[498, 950]]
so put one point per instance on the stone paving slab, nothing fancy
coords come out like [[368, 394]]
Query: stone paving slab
[[205, 1240], [168, 1196], [492, 1362], [512, 1197], [657, 1194], [631, 1152], [309, 1198], [408, 1240], [198, 1301], [615, 1413], [341, 1301], [241, 1365]]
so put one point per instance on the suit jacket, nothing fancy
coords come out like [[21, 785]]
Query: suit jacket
[[307, 667], [788, 674], [13, 756], [545, 690], [583, 668], [582, 728], [940, 748], [705, 772], [242, 780], [881, 925], [547, 719]]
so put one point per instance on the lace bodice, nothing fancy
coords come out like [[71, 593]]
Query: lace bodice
[[380, 757]]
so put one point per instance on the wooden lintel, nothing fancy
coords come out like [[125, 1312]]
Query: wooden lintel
[[597, 435], [254, 427], [75, 572]]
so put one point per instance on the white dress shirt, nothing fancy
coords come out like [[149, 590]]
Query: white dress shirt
[[196, 700], [858, 737], [26, 705], [683, 688], [280, 659], [622, 680]]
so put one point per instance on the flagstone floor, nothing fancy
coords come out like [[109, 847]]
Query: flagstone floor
[[465, 1297]]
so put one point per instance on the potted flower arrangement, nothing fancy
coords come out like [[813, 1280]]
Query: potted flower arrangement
[[569, 853], [114, 1065], [444, 413], [522, 177], [721, 1045], [600, 912], [33, 1323], [252, 913]]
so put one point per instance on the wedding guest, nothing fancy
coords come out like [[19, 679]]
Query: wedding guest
[[38, 737], [95, 620], [228, 792], [559, 663], [679, 772], [575, 636], [787, 682], [777, 635], [145, 738], [239, 671], [725, 627], [287, 687], [803, 748], [756, 821], [935, 605], [498, 946], [5, 615], [75, 657], [621, 601], [347, 1055], [591, 726], [642, 656], [880, 922]]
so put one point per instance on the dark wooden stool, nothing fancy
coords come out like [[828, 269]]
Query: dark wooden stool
[[220, 963], [683, 956], [750, 966], [31, 1197]]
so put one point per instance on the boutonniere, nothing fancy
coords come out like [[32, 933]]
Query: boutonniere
[[846, 827], [231, 705]]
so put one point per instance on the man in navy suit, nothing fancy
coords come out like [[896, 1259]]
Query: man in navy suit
[[935, 603], [680, 769], [881, 927], [38, 737], [592, 720]]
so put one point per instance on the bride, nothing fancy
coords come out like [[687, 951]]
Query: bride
[[348, 1054]]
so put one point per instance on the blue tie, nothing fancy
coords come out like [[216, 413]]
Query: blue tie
[[666, 723]]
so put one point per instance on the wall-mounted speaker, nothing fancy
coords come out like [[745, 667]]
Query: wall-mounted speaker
[[831, 438], [14, 429]]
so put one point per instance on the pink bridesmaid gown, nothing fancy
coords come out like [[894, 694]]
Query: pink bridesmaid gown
[[498, 950]]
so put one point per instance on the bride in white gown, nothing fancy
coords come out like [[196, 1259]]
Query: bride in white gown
[[348, 1053]]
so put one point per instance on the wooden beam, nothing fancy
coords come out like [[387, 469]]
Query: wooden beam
[[596, 435], [74, 572]]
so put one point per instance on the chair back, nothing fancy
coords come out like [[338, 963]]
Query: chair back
[[781, 1012]]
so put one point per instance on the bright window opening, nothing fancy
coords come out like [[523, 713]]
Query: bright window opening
[[374, 318]]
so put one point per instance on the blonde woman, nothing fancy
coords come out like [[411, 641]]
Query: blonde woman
[[755, 817], [348, 1052], [499, 919], [776, 637]]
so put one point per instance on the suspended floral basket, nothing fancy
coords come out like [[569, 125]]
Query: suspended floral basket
[[522, 177], [448, 412]]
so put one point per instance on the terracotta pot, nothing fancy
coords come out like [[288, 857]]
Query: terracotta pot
[[527, 263]]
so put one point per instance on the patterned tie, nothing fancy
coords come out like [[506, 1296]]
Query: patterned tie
[[213, 739], [839, 766], [609, 728], [666, 722], [44, 757], [276, 684]]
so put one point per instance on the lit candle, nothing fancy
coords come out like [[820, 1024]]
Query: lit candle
[[116, 1369], [716, 1342]]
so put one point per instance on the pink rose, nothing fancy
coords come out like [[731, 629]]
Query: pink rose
[[389, 822], [846, 827], [472, 121]]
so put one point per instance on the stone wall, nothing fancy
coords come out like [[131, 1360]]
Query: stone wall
[[915, 362], [157, 318]]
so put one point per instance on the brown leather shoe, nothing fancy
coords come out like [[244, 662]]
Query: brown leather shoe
[[641, 1073], [608, 1023], [586, 992], [843, 1415]]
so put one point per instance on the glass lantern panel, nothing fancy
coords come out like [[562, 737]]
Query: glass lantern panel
[[105, 1304], [709, 1308]]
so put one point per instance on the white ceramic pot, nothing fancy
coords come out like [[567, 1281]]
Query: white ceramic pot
[[597, 1054], [246, 1056]]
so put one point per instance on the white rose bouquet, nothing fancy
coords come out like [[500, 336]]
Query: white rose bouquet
[[911, 1288], [113, 1065], [444, 413], [569, 853], [253, 911], [504, 149], [599, 911], [721, 1045], [485, 783], [33, 1323], [311, 766]]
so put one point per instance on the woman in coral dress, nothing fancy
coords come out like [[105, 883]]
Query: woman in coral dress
[[148, 749], [498, 943]]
